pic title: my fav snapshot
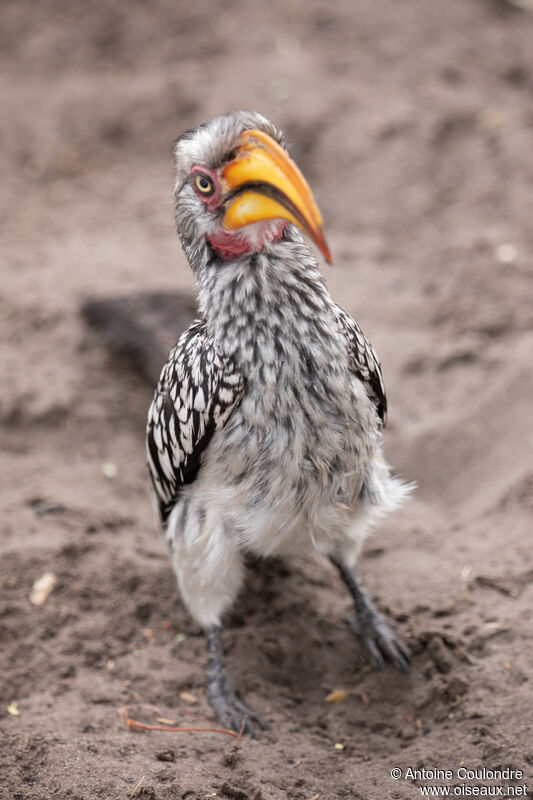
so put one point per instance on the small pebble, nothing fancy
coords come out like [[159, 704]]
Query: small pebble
[[42, 588], [166, 755], [109, 470], [506, 253]]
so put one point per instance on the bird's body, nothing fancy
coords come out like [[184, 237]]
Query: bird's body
[[264, 435]]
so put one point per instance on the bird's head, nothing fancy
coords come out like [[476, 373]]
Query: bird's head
[[237, 187]]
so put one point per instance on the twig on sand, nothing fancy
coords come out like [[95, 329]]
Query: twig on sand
[[144, 726], [243, 724], [137, 786]]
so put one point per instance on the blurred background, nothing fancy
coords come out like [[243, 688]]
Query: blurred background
[[413, 122]]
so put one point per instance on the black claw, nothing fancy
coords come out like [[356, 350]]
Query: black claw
[[404, 650], [373, 653], [403, 656], [241, 718], [251, 715], [381, 642], [232, 712], [403, 666]]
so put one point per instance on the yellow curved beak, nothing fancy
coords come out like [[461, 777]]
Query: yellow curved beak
[[263, 182]]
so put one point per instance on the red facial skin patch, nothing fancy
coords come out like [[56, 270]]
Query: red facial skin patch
[[230, 244]]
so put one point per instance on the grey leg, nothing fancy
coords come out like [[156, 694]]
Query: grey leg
[[231, 711], [379, 640]]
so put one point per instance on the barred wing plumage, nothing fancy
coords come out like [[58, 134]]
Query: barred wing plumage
[[197, 391], [365, 363]]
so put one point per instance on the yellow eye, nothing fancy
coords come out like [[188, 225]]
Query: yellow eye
[[204, 184]]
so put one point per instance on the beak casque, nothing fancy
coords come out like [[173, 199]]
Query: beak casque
[[262, 182]]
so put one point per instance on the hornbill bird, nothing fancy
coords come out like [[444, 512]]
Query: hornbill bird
[[264, 434]]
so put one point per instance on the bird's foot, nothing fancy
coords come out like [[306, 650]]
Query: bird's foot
[[380, 642], [232, 712]]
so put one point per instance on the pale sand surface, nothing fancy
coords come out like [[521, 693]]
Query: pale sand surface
[[413, 122]]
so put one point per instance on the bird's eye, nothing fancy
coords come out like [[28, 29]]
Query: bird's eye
[[204, 184]]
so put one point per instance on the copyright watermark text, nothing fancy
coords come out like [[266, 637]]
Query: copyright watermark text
[[464, 782]]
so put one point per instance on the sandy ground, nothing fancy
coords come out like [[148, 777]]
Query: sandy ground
[[413, 121]]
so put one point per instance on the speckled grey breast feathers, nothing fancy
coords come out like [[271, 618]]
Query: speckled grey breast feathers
[[198, 389]]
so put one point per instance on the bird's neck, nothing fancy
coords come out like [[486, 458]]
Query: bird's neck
[[258, 305]]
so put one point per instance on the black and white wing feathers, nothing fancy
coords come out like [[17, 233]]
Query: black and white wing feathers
[[364, 361], [197, 391]]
